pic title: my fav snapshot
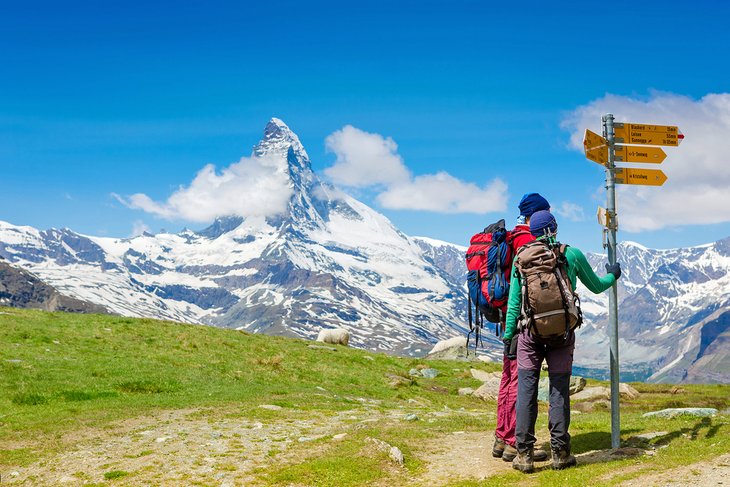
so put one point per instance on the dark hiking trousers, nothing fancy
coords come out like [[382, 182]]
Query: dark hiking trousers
[[530, 354]]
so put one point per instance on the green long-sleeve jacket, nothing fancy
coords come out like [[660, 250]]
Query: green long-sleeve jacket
[[577, 266]]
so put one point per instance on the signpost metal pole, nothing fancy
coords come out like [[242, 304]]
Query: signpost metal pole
[[608, 133]]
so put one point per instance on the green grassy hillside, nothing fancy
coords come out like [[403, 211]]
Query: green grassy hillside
[[71, 380]]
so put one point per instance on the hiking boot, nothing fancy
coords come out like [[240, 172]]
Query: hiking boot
[[524, 462], [498, 447], [539, 455], [510, 452], [563, 459]]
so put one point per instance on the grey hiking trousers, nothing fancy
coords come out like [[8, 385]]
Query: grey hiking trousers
[[530, 354]]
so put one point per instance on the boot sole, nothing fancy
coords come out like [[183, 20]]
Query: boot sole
[[564, 466]]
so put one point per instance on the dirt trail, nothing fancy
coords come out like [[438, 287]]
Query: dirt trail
[[224, 448]]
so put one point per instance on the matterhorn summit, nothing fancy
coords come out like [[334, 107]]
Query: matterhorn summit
[[327, 261]]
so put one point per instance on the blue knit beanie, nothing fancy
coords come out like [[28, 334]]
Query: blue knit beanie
[[532, 202], [543, 223]]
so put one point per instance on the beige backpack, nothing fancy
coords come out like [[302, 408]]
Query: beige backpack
[[550, 306]]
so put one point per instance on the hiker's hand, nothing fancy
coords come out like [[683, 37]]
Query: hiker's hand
[[507, 349], [614, 269]]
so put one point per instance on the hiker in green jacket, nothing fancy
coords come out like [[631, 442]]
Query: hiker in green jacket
[[532, 350]]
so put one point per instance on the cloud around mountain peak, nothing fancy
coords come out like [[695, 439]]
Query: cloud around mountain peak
[[369, 160], [253, 186]]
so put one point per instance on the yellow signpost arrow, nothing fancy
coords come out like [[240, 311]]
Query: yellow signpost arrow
[[596, 148], [592, 139], [598, 154], [644, 177], [635, 133], [631, 153]]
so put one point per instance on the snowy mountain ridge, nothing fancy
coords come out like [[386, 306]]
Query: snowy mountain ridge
[[328, 260], [332, 261]]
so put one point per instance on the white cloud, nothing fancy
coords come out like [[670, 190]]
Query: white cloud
[[698, 171], [253, 186], [370, 160], [364, 159], [138, 228], [570, 211], [443, 193]]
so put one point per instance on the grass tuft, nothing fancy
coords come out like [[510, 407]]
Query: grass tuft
[[115, 474]]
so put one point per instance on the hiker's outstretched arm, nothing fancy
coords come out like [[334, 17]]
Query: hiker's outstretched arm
[[514, 303], [586, 275]]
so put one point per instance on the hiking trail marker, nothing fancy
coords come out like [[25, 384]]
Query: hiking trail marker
[[632, 153], [645, 177], [607, 150]]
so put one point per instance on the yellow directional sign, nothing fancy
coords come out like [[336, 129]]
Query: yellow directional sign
[[592, 139], [645, 177], [635, 133], [631, 153], [598, 154], [595, 147]]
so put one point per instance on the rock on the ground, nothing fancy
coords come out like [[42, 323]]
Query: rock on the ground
[[543, 389], [588, 406], [577, 384], [411, 417], [429, 373], [480, 375], [335, 336], [396, 455], [673, 412], [339, 436], [627, 392], [414, 373], [489, 390], [465, 391], [592, 394], [270, 407], [398, 380]]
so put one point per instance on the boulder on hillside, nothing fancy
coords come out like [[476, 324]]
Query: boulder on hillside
[[481, 375], [490, 389], [627, 392], [673, 412], [335, 336], [592, 394], [577, 384]]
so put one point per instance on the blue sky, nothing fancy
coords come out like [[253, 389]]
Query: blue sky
[[108, 97]]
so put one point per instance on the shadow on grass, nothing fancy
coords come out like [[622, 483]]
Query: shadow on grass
[[595, 446]]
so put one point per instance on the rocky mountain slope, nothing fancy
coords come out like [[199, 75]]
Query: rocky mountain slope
[[674, 314], [328, 261], [21, 289]]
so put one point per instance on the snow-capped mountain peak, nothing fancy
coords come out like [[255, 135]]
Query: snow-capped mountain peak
[[328, 261]]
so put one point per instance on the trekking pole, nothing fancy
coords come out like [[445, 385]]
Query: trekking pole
[[608, 133]]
